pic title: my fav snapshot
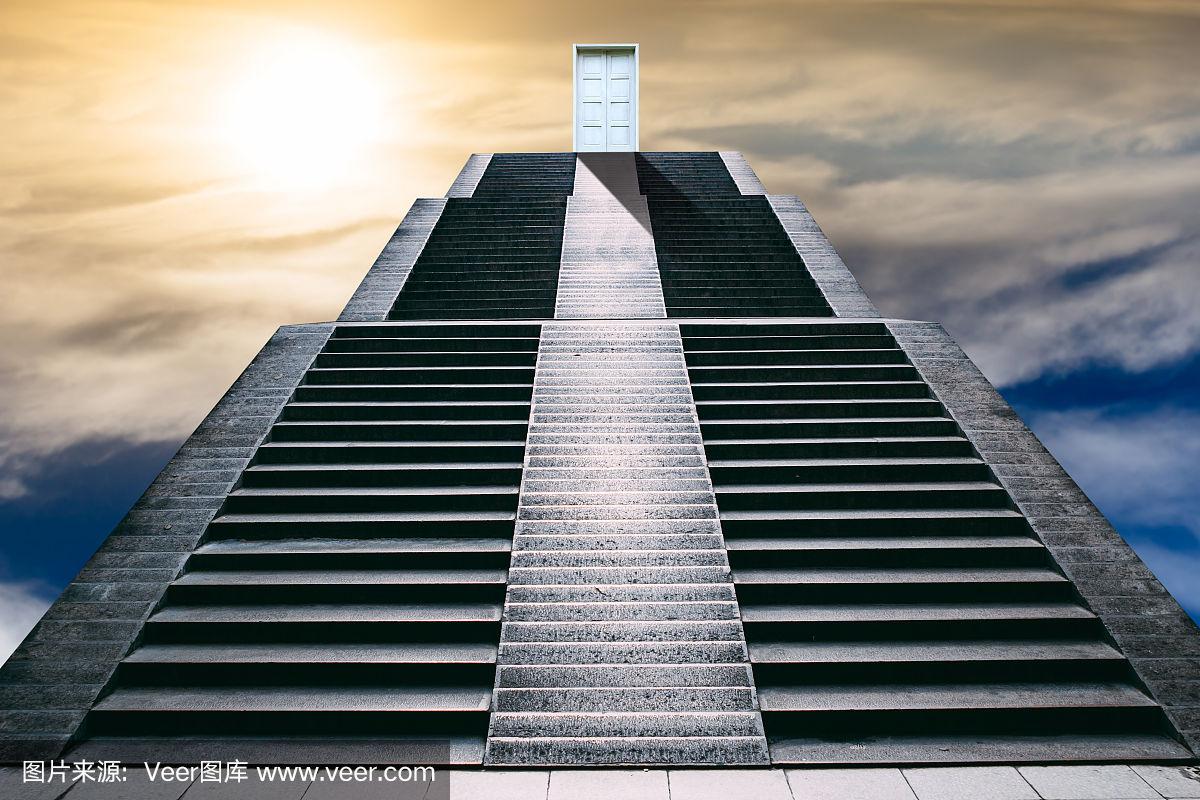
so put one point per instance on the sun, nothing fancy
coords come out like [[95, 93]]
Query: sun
[[302, 111]]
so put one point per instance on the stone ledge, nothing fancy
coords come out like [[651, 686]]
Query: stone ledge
[[841, 289], [374, 297]]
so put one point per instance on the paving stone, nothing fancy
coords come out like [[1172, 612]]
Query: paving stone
[[1171, 782], [849, 784], [243, 790], [977, 783], [136, 786], [14, 787], [1090, 782], [354, 790], [498, 784], [608, 785], [729, 784]]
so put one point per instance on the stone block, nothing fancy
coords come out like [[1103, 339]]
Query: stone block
[[730, 784], [1090, 782], [849, 784], [609, 785], [506, 784], [1171, 782], [977, 783]]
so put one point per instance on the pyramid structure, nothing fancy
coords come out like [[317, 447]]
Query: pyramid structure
[[609, 460]]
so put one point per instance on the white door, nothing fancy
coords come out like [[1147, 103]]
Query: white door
[[606, 98]]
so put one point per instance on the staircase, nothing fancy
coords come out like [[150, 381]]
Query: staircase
[[621, 641], [355, 578], [519, 176], [606, 537], [608, 266], [896, 607], [721, 254], [495, 255]]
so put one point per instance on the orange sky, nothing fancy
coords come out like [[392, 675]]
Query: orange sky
[[158, 220]]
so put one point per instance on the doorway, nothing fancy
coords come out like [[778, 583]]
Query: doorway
[[606, 98]]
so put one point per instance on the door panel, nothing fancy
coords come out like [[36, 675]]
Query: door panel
[[605, 98]]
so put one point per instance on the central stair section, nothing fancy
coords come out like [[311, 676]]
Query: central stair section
[[608, 268], [621, 641]]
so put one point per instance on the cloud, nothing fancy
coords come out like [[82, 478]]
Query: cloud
[[21, 606], [1140, 467], [1135, 321], [1021, 270]]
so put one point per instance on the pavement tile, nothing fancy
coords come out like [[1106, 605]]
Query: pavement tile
[[352, 790], [609, 785], [243, 790], [497, 784], [976, 783], [1115, 782], [849, 784], [1171, 782], [13, 787], [728, 784], [136, 786]]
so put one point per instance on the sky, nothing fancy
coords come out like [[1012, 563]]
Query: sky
[[177, 179]]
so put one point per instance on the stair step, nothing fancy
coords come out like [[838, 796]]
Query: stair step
[[600, 699], [913, 697], [329, 613], [622, 676], [940, 576], [335, 577], [235, 548], [317, 699], [809, 546], [891, 516], [975, 747], [636, 751], [625, 724], [299, 653], [913, 613]]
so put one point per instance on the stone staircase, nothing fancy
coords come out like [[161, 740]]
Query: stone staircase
[[530, 520], [721, 254], [896, 605], [517, 176], [621, 641], [608, 266], [487, 259], [495, 254], [354, 580]]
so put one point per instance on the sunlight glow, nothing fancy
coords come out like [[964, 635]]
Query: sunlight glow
[[302, 112]]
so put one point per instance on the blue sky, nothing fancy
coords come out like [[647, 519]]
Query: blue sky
[[1025, 172]]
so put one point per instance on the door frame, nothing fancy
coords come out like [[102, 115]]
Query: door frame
[[637, 81]]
